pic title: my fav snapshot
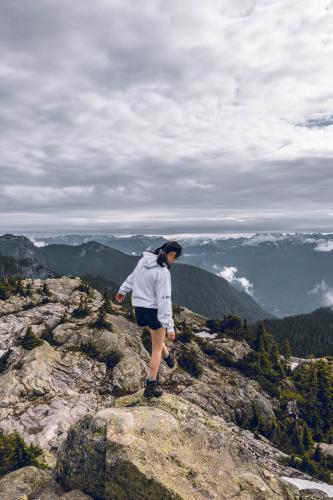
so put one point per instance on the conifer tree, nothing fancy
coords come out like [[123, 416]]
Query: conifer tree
[[307, 437], [101, 321], [3, 360], [30, 340]]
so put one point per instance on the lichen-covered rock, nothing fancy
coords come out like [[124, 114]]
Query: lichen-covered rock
[[74, 495], [195, 320], [220, 390], [78, 374], [33, 483], [128, 375], [327, 448], [234, 349], [313, 494], [167, 449], [21, 484], [49, 390]]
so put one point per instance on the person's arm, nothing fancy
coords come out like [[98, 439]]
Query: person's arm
[[127, 286], [164, 304]]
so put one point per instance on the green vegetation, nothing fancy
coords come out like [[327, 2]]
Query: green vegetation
[[28, 306], [304, 398], [130, 313], [186, 335], [314, 462], [84, 286], [110, 359], [28, 289], [19, 288], [7, 286], [30, 340], [47, 335], [46, 290], [308, 334], [188, 360], [90, 349], [176, 309], [3, 360], [15, 453], [82, 310], [230, 325], [102, 321], [62, 319], [109, 307]]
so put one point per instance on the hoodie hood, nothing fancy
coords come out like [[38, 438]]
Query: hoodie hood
[[149, 260]]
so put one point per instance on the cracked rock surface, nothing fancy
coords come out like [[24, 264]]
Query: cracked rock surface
[[78, 395]]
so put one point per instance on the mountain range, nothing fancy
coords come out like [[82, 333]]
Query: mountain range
[[285, 274], [192, 287]]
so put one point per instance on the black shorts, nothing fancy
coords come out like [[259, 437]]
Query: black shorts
[[145, 316]]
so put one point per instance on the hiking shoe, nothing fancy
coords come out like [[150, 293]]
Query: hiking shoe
[[170, 360], [152, 389]]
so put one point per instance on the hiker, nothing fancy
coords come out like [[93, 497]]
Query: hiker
[[150, 283]]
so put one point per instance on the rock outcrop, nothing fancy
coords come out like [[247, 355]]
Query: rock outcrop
[[78, 396], [167, 449]]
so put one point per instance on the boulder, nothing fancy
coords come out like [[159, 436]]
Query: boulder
[[34, 483], [313, 494], [49, 391], [235, 350], [128, 375], [21, 484], [168, 449]]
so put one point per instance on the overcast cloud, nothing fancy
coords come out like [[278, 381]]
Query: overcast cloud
[[166, 115]]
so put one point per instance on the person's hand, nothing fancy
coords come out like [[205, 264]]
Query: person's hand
[[171, 335], [120, 297]]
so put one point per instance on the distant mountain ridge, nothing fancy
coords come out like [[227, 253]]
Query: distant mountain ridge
[[195, 288], [285, 273], [28, 268]]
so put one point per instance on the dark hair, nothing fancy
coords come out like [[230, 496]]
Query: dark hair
[[169, 246]]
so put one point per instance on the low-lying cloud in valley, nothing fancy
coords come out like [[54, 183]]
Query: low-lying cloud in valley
[[229, 273], [324, 292]]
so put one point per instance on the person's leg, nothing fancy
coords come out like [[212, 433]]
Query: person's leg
[[165, 351], [157, 342]]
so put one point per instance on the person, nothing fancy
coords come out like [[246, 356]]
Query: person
[[150, 284]]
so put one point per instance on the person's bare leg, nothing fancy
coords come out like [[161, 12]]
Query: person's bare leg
[[165, 351], [157, 342]]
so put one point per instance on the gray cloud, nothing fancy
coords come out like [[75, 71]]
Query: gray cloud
[[166, 116]]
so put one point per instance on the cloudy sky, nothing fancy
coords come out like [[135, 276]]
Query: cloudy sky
[[168, 115]]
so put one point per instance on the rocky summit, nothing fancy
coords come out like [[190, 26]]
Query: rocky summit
[[71, 383]]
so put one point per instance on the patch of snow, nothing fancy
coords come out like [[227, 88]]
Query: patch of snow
[[205, 335], [305, 484]]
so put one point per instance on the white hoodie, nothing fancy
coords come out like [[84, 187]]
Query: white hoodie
[[151, 287]]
